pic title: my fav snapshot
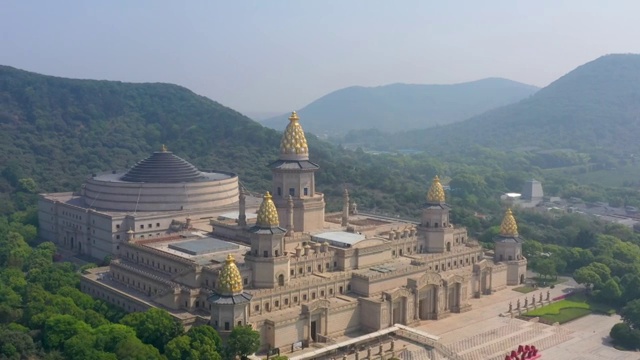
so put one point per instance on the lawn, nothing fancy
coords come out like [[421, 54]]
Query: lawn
[[563, 311], [524, 289]]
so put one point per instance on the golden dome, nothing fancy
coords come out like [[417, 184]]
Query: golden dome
[[229, 279], [267, 214], [436, 191], [293, 140], [509, 227]]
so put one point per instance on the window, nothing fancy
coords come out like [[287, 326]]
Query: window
[[340, 290], [279, 191], [335, 264], [436, 267], [292, 191], [319, 267], [257, 308], [245, 281], [300, 271], [117, 237], [293, 272], [150, 226], [348, 287], [308, 268], [118, 226], [295, 299], [277, 253], [276, 303], [265, 253], [239, 323], [157, 224], [306, 191], [286, 301], [141, 226], [331, 291], [313, 295], [304, 297], [322, 293], [226, 325]]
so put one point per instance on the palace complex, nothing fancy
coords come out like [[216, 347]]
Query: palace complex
[[279, 264]]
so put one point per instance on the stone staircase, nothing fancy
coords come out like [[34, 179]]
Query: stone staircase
[[496, 343]]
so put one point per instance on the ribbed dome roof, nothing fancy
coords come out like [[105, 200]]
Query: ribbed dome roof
[[162, 167]]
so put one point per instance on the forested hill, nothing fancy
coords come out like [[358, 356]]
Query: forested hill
[[58, 131], [405, 106], [596, 106]]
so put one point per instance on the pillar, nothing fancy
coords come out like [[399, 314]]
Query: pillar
[[345, 208], [290, 228], [242, 216]]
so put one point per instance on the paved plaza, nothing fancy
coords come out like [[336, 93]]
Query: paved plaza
[[482, 334]]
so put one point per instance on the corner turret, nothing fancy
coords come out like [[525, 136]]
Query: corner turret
[[508, 248]]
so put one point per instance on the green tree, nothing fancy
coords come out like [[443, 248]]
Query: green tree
[[16, 345], [546, 267], [154, 326], [60, 328], [134, 349], [587, 276], [243, 341], [631, 314], [610, 292]]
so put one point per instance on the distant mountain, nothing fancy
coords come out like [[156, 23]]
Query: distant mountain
[[404, 106], [594, 107]]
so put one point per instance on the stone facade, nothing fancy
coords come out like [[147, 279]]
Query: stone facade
[[317, 277]]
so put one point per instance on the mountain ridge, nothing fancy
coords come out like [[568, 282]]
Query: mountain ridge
[[405, 106], [596, 105]]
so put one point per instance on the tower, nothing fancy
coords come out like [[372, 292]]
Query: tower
[[294, 175], [508, 248], [267, 258], [438, 233], [229, 301]]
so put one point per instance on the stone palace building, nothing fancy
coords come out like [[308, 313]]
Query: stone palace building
[[280, 264]]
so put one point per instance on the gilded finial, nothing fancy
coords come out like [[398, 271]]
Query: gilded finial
[[267, 213], [294, 141], [436, 191], [164, 148], [229, 279], [509, 227]]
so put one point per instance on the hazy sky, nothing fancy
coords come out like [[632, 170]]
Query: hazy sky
[[274, 55]]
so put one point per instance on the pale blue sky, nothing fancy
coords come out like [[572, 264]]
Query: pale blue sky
[[280, 55]]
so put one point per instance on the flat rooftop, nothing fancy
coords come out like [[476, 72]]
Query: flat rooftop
[[202, 249], [341, 239], [203, 246]]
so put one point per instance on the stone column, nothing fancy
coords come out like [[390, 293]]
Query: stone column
[[242, 217], [290, 228], [345, 208]]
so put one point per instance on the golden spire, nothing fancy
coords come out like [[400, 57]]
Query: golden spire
[[436, 191], [164, 148], [293, 140], [267, 214], [509, 227], [229, 279]]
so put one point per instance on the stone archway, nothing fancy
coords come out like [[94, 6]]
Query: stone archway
[[428, 302]]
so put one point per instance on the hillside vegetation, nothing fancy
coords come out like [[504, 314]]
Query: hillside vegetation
[[594, 108], [405, 106]]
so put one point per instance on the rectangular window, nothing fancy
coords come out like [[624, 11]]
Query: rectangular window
[[141, 226], [118, 226], [279, 191], [226, 325], [292, 191], [306, 191], [157, 224]]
